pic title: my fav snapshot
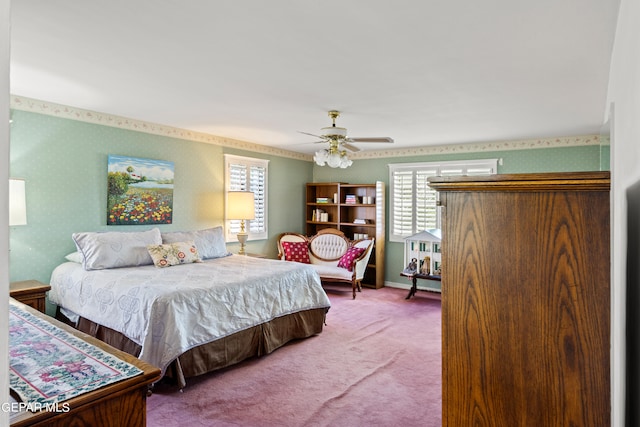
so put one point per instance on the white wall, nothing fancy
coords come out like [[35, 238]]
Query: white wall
[[624, 97], [4, 213]]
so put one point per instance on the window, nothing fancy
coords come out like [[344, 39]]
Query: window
[[413, 203], [248, 174]]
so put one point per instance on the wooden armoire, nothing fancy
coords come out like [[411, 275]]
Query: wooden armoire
[[525, 299]]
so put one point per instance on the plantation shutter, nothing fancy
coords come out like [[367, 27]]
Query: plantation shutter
[[402, 209], [425, 207], [248, 174], [413, 203], [257, 185]]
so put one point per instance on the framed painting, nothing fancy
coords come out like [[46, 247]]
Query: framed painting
[[139, 191]]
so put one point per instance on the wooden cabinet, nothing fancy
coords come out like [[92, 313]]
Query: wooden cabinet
[[31, 293], [361, 219], [525, 299]]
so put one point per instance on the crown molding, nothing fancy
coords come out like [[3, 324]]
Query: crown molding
[[63, 111], [67, 112]]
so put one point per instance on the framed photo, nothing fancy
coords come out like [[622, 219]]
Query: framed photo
[[139, 191]]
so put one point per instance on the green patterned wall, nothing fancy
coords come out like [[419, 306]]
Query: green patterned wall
[[64, 163]]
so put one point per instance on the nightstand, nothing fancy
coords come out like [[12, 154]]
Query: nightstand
[[30, 292]]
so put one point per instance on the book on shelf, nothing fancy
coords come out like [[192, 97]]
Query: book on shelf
[[360, 221], [351, 199], [318, 215], [322, 200]]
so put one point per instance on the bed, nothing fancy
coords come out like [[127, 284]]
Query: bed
[[194, 317]]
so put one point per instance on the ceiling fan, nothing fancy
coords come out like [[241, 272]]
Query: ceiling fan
[[337, 136]]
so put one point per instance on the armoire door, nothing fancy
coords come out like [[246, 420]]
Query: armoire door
[[525, 300]]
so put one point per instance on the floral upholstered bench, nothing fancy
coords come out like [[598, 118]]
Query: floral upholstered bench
[[331, 253]]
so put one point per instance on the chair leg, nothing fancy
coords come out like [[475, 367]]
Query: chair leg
[[356, 285]]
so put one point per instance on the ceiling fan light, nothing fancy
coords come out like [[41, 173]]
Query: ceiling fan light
[[345, 162], [321, 157], [334, 160]]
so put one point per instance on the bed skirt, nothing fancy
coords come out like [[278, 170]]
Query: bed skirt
[[256, 341]]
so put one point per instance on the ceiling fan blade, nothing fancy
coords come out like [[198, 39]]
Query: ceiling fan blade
[[323, 138], [371, 139], [350, 147]]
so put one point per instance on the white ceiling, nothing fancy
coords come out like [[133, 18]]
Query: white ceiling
[[427, 72]]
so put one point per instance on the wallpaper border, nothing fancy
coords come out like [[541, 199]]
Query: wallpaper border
[[480, 147], [88, 116], [74, 113]]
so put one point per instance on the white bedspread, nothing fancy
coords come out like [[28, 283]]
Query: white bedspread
[[171, 310]]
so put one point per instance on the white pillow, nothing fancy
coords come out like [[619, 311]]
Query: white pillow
[[114, 249], [210, 242], [74, 257]]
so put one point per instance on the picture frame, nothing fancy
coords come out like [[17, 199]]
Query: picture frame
[[139, 191]]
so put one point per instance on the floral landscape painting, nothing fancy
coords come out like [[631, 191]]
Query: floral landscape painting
[[140, 191]]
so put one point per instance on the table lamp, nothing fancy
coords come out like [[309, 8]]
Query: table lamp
[[241, 205], [17, 202]]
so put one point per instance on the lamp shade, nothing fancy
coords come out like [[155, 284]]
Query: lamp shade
[[240, 205], [332, 158], [17, 202]]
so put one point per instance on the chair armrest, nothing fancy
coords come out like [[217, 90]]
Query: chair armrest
[[360, 263]]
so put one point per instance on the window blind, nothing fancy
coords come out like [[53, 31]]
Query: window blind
[[413, 203], [248, 174]]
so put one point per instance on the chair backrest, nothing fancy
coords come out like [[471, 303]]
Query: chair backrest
[[361, 264], [289, 237], [327, 246]]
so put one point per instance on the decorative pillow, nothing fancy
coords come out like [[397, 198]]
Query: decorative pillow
[[296, 251], [174, 254], [210, 242], [346, 261], [114, 249]]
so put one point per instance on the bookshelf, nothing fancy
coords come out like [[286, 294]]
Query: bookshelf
[[355, 209]]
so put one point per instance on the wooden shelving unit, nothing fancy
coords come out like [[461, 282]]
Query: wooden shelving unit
[[347, 217]]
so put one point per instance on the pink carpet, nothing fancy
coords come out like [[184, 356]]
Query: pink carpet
[[377, 363]]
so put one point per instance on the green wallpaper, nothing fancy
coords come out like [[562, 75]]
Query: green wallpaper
[[64, 163]]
